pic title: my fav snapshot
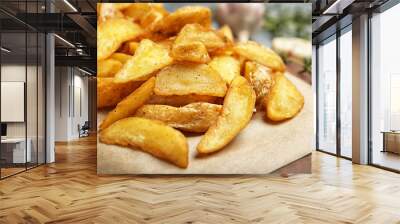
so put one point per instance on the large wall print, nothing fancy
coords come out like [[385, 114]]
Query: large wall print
[[202, 89]]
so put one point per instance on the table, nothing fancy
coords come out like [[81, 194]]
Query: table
[[13, 150], [391, 141]]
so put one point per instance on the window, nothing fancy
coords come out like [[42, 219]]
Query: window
[[385, 89], [346, 92], [327, 96], [22, 77]]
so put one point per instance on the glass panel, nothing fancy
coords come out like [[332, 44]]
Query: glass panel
[[31, 98], [327, 96], [32, 89], [23, 89], [13, 86], [346, 94], [41, 99], [385, 84]]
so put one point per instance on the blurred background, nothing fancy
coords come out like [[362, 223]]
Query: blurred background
[[286, 28]]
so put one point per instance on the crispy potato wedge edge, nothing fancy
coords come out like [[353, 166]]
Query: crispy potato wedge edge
[[227, 67], [195, 117], [236, 114], [151, 136], [112, 33], [174, 22], [261, 54], [128, 106], [149, 58], [109, 93], [184, 79], [182, 100], [284, 101]]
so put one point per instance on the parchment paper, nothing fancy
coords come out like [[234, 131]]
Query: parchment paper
[[260, 148]]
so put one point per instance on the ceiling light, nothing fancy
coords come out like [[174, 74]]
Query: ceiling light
[[331, 7], [5, 50], [70, 5], [65, 41], [84, 71], [337, 7]]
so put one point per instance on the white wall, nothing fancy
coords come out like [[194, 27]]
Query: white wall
[[12, 73], [70, 84], [34, 125]]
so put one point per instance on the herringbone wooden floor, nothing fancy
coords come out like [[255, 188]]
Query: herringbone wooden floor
[[69, 191]]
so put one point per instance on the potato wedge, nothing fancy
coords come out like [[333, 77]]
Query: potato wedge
[[195, 117], [260, 78], [120, 6], [236, 114], [196, 33], [129, 47], [178, 101], [121, 57], [284, 100], [112, 33], [151, 136], [167, 43], [110, 93], [149, 57], [184, 79], [109, 11], [226, 32], [190, 52], [227, 67], [151, 19], [130, 104], [137, 11], [108, 67], [174, 22], [261, 54]]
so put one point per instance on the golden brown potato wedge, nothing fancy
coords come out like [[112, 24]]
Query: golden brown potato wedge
[[149, 57], [284, 100], [150, 136], [174, 22], [137, 11], [110, 93], [108, 67], [227, 67], [194, 117], [128, 106], [178, 101], [196, 33], [121, 57], [184, 79], [190, 52], [226, 32], [236, 114], [109, 11], [112, 33], [151, 19], [120, 6], [261, 54], [129, 47], [261, 78], [167, 43]]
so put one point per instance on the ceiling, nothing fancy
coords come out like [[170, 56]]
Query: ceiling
[[76, 25], [330, 15]]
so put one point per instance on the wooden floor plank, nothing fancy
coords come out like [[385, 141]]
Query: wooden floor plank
[[69, 191]]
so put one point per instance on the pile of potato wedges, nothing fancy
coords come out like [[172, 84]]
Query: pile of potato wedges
[[165, 74]]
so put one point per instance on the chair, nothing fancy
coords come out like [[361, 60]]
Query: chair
[[84, 130]]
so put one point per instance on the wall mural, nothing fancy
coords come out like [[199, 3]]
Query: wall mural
[[202, 89]]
